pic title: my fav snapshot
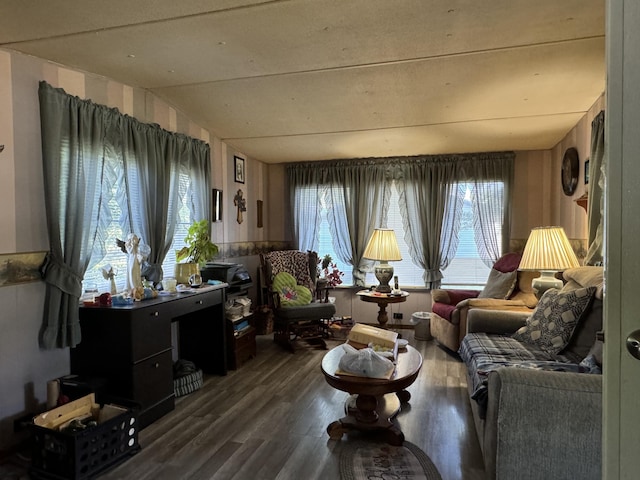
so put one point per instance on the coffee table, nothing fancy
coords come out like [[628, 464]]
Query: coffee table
[[377, 401]]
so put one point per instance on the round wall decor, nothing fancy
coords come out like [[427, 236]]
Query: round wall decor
[[570, 171]]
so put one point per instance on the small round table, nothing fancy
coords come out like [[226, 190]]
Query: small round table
[[377, 400], [382, 299]]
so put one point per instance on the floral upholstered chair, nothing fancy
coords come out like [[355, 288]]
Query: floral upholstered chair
[[506, 289], [290, 278]]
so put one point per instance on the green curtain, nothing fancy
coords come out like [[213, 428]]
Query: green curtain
[[357, 202], [357, 192], [152, 160], [595, 209], [72, 160], [344, 186], [77, 137], [492, 176], [306, 186], [431, 208]]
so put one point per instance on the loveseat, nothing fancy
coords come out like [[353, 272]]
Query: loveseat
[[505, 289], [535, 384]]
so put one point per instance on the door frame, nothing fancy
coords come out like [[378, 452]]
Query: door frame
[[621, 379]]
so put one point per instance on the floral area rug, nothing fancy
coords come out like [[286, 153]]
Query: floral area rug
[[367, 461]]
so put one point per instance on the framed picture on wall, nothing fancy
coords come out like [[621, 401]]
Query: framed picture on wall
[[216, 205], [259, 212], [238, 166]]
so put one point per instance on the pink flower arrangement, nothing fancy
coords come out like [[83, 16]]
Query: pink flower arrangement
[[331, 274]]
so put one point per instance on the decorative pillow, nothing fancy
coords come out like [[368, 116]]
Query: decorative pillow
[[499, 285], [291, 294], [597, 349], [585, 333], [552, 323]]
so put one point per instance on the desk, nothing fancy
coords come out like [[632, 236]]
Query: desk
[[378, 400], [382, 299], [130, 345]]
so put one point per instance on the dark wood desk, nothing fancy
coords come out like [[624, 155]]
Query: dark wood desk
[[377, 401], [130, 346]]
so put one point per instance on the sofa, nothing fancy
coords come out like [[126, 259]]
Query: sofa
[[505, 289], [535, 385]]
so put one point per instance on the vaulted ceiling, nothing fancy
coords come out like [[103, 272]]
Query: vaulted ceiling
[[291, 80]]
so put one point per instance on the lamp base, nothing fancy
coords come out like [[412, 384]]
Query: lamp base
[[544, 282], [384, 274]]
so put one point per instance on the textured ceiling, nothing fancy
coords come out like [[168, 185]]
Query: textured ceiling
[[291, 80]]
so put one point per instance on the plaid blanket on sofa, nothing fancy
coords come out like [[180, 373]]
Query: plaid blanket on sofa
[[484, 353]]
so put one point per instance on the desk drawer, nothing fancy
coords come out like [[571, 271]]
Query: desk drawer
[[150, 332], [192, 303], [153, 380]]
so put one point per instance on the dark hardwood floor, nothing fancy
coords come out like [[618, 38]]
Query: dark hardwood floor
[[268, 420]]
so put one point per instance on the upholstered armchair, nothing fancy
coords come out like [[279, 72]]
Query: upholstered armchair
[[290, 278], [506, 289]]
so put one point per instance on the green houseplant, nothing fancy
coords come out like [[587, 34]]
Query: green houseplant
[[199, 248]]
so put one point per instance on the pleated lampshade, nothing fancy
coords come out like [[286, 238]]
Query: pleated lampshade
[[383, 246], [548, 248], [548, 251]]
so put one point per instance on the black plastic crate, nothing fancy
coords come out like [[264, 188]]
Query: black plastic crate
[[87, 453]]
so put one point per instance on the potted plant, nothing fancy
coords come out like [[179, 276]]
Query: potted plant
[[199, 248]]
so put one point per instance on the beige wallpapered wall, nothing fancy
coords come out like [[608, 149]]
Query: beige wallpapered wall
[[538, 198]]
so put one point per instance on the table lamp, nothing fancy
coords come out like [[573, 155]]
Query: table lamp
[[547, 251], [383, 247]]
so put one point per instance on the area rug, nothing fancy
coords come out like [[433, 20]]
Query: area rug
[[367, 461]]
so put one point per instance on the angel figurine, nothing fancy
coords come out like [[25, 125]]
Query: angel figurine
[[109, 273], [134, 259]]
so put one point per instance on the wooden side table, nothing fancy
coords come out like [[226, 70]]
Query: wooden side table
[[382, 299], [377, 400]]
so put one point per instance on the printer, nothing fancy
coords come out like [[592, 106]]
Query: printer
[[234, 274]]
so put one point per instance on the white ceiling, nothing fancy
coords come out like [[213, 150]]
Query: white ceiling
[[291, 80]]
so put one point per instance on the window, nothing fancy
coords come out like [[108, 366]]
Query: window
[[408, 274], [466, 269], [106, 250]]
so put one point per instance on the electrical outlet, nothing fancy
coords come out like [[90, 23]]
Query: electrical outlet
[[397, 316]]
